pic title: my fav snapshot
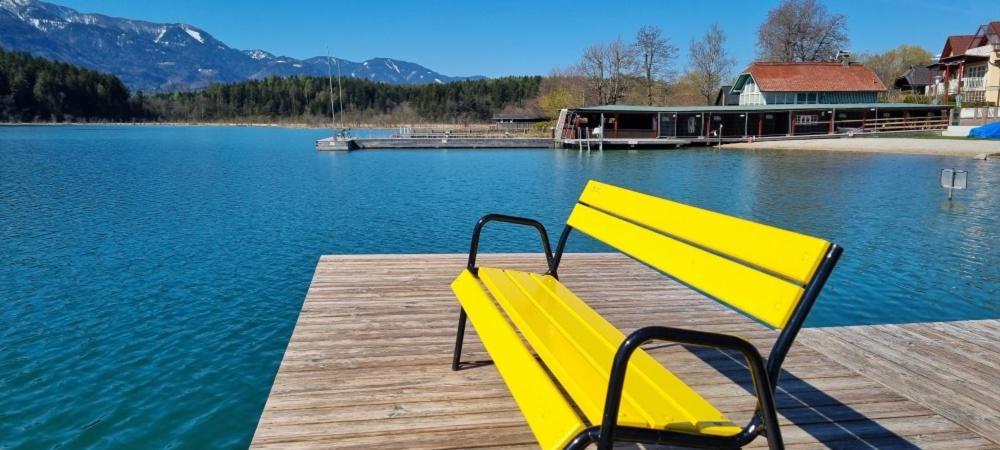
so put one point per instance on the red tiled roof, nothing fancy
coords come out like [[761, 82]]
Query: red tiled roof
[[814, 77], [956, 45]]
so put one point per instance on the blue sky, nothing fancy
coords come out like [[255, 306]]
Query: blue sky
[[521, 37]]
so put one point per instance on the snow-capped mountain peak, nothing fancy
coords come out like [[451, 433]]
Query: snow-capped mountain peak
[[161, 56], [258, 54]]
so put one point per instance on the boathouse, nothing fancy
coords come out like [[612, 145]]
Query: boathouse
[[775, 101], [634, 126], [510, 122]]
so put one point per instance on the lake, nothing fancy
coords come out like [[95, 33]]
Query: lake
[[152, 276]]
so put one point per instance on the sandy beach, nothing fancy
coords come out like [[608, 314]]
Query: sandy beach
[[897, 145]]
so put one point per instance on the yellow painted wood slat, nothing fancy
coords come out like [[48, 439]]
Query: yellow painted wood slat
[[662, 399], [780, 251], [551, 418], [576, 375], [768, 298]]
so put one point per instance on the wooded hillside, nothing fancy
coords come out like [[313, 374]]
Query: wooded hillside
[[307, 99], [38, 90]]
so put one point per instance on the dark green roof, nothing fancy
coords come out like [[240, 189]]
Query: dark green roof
[[738, 85], [706, 108]]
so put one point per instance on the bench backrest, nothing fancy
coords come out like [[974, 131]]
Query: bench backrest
[[758, 269]]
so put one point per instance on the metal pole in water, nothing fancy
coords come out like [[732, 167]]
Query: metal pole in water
[[951, 186], [600, 142], [954, 179]]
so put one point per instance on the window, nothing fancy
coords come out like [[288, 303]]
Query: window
[[807, 98], [780, 98], [806, 119], [975, 72], [750, 95]]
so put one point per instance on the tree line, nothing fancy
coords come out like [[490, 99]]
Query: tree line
[[308, 99], [644, 70], [38, 90]]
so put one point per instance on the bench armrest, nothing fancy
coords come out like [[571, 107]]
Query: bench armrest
[[474, 247], [762, 385]]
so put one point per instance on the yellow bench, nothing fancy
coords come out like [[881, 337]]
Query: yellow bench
[[595, 385]]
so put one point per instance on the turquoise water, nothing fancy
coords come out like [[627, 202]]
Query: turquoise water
[[151, 277]]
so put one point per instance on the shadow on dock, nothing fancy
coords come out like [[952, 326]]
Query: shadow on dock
[[828, 420]]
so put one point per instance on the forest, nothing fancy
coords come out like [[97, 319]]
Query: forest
[[35, 89], [308, 99], [38, 90]]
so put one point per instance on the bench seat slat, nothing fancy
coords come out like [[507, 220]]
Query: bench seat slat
[[552, 419], [578, 347], [768, 298]]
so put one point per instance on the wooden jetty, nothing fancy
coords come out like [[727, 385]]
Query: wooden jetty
[[432, 142], [368, 365]]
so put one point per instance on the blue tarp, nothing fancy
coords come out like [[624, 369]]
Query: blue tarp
[[988, 131]]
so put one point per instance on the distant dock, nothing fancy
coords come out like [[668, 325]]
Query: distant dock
[[368, 365], [430, 142], [471, 136]]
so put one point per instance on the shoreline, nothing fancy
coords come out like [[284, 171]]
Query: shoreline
[[979, 149], [291, 125], [974, 148]]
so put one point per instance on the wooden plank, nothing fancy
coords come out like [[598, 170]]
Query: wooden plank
[[368, 365], [947, 367]]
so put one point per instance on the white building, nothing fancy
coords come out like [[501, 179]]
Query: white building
[[772, 83]]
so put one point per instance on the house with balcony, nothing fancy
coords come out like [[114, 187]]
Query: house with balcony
[[807, 83], [969, 65]]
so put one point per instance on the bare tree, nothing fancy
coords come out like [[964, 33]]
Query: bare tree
[[657, 55], [593, 65], [609, 69], [801, 30], [622, 69], [710, 64]]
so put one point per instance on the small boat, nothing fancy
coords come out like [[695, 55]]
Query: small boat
[[341, 139]]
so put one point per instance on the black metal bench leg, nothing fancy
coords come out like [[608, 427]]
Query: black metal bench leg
[[459, 338]]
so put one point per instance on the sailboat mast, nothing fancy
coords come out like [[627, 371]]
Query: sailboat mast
[[329, 72], [340, 90]]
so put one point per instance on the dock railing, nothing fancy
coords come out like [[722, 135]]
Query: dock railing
[[478, 132], [905, 124]]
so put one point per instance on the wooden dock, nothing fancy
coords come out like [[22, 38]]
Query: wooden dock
[[432, 143], [623, 143], [368, 365]]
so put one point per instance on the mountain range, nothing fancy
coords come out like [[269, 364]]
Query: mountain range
[[165, 57]]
